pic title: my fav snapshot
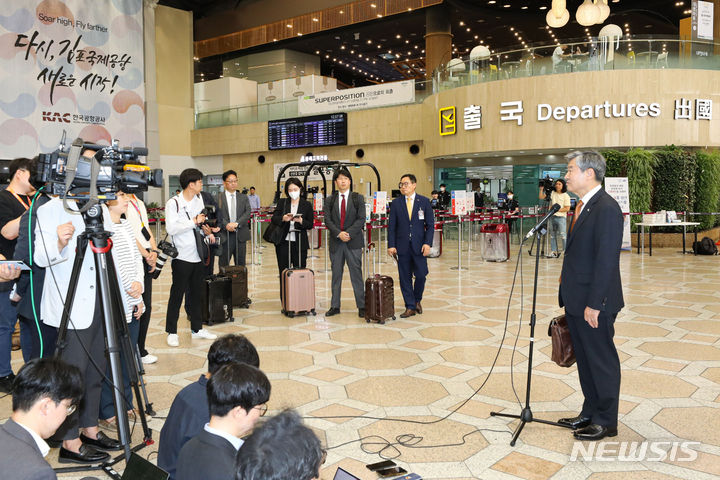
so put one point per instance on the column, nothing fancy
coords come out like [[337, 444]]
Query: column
[[438, 39]]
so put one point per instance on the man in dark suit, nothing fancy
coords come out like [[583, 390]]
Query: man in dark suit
[[410, 235], [237, 396], [46, 391], [189, 410], [344, 218], [233, 219], [591, 292]]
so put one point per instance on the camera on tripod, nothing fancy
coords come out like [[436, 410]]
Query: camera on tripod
[[164, 250], [112, 168], [548, 186]]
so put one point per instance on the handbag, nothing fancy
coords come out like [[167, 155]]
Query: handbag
[[562, 349], [273, 234]]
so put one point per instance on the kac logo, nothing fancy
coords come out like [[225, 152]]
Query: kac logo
[[448, 121], [56, 117]]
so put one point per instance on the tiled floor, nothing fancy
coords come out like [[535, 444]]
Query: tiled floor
[[401, 388]]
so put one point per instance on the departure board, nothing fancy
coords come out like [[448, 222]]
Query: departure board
[[302, 132]]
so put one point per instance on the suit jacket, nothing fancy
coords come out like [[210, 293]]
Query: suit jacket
[[354, 220], [409, 235], [308, 218], [208, 457], [188, 415], [591, 267], [242, 214], [20, 457]]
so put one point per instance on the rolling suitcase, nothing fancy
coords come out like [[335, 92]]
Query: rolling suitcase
[[239, 276], [217, 300], [298, 290], [437, 244], [495, 246], [379, 296]]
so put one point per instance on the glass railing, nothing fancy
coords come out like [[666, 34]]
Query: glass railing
[[275, 111], [596, 54]]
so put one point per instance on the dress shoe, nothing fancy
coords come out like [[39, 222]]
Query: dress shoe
[[361, 312], [575, 422], [332, 311], [6, 383], [595, 432], [87, 455], [418, 308], [102, 442], [408, 313]]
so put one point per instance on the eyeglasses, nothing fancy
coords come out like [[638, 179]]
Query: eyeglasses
[[263, 409], [404, 184], [324, 457]]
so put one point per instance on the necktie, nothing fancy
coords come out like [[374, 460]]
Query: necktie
[[232, 207], [408, 203], [342, 212], [576, 215]]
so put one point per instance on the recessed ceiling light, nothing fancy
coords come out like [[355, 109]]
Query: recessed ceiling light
[[462, 23], [289, 26], [341, 12], [315, 20], [543, 7]]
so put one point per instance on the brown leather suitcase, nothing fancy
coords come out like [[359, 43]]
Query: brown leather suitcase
[[239, 276], [379, 299]]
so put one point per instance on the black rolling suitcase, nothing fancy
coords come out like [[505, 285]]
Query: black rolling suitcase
[[217, 300], [239, 277]]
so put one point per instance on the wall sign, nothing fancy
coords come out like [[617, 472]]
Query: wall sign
[[373, 96], [448, 122]]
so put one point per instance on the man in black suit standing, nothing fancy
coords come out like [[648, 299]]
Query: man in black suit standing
[[410, 235], [234, 216], [46, 391], [591, 292], [344, 214], [237, 396]]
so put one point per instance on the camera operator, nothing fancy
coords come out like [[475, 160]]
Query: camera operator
[[558, 227], [14, 202], [512, 207], [444, 197], [137, 216], [54, 248], [183, 215]]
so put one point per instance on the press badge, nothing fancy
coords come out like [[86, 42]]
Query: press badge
[[421, 214]]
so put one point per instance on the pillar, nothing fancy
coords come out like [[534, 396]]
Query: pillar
[[438, 39]]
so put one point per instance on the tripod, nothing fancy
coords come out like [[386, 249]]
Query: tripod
[[116, 334], [526, 416]]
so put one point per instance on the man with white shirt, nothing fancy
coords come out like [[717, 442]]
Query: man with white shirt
[[45, 392], [237, 396], [234, 216], [254, 200], [183, 214], [344, 218]]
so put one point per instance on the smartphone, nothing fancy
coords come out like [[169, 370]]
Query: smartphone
[[15, 263], [298, 215], [391, 472], [373, 467]]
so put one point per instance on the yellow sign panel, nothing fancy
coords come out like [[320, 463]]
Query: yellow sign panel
[[448, 121]]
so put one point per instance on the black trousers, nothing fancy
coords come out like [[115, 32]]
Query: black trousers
[[91, 339], [233, 248], [187, 281], [145, 318], [298, 258], [598, 367], [48, 339]]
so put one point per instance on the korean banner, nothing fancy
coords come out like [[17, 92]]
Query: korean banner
[[73, 66], [618, 188]]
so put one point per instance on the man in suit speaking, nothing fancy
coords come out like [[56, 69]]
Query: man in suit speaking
[[591, 292], [344, 213], [234, 215], [410, 235]]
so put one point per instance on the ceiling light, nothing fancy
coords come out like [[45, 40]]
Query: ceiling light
[[342, 47], [369, 41], [556, 21], [543, 7], [289, 26], [372, 5], [315, 20], [352, 52], [462, 23], [524, 7], [603, 11], [341, 12]]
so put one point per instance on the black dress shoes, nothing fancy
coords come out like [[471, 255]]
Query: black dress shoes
[[332, 311], [595, 432], [102, 442], [87, 455], [361, 312], [418, 308], [575, 422], [407, 313]]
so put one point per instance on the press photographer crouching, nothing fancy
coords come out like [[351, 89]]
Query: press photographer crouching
[[183, 220]]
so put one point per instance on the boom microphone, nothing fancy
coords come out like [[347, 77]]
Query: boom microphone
[[553, 210]]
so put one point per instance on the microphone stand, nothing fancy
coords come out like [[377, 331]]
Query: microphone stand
[[526, 416]]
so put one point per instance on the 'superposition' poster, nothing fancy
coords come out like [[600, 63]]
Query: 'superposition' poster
[[73, 66]]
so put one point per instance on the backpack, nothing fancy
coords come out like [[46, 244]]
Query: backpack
[[705, 247]]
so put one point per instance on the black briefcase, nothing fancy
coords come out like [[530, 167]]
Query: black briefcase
[[217, 300]]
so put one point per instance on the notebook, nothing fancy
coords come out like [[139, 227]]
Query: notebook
[[344, 475], [140, 469]]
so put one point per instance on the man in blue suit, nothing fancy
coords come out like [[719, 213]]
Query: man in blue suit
[[410, 234]]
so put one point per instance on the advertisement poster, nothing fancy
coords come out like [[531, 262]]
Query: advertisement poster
[[359, 98], [617, 187], [73, 66], [379, 203], [458, 202]]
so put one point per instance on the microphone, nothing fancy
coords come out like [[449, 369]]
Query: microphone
[[553, 210]]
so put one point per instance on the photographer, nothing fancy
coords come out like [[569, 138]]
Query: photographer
[[14, 202], [54, 248], [558, 227], [137, 216], [183, 215]]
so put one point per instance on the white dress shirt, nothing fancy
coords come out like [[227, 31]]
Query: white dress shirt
[[180, 223], [347, 201], [231, 205], [291, 233], [42, 444], [235, 441], [586, 198]]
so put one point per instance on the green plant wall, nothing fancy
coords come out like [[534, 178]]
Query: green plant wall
[[639, 165], [615, 163], [675, 170], [707, 188]]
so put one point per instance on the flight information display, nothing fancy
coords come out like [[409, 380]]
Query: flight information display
[[315, 131]]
